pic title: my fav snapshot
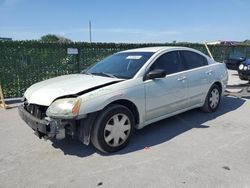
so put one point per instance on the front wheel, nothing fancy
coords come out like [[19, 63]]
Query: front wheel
[[113, 128], [212, 99]]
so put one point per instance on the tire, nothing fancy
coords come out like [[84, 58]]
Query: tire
[[113, 128], [212, 99]]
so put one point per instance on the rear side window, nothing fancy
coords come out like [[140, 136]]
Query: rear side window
[[169, 62], [193, 60]]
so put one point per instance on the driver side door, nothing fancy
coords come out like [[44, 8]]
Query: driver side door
[[169, 94]]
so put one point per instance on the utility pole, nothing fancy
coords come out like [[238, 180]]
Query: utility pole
[[90, 32]]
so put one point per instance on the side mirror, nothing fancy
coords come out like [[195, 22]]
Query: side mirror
[[242, 58], [157, 73]]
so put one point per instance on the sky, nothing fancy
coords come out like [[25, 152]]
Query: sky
[[129, 21]]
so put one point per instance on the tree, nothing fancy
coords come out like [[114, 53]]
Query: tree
[[55, 38], [246, 42]]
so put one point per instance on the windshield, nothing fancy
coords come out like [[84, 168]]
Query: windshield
[[235, 54], [120, 65]]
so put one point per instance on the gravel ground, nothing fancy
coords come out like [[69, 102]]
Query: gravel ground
[[193, 149]]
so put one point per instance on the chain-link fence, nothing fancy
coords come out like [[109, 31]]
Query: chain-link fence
[[23, 63]]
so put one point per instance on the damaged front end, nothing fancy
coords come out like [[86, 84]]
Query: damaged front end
[[44, 127], [51, 108], [50, 128]]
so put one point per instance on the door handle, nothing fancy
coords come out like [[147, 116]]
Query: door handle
[[209, 72], [182, 78]]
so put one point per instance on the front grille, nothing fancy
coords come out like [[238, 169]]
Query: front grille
[[38, 111]]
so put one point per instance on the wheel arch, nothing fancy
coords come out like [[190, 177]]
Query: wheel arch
[[218, 84], [131, 106]]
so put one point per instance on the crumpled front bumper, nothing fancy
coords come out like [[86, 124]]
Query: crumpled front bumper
[[47, 128]]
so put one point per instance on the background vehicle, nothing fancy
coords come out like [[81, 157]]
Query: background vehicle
[[244, 70], [124, 92], [234, 60], [238, 61]]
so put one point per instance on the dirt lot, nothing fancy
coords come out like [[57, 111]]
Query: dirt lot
[[193, 149]]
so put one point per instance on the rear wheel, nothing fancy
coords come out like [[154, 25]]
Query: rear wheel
[[113, 128], [213, 99]]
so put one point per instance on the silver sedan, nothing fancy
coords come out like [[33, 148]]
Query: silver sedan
[[126, 91]]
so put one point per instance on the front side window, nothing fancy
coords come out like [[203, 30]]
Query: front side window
[[169, 62], [120, 65], [193, 60]]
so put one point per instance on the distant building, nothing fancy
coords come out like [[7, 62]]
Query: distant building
[[225, 42], [5, 39]]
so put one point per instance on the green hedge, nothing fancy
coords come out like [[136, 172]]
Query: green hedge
[[23, 63]]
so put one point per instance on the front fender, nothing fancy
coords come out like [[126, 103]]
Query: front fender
[[99, 99]]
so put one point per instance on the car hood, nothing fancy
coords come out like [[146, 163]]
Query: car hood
[[45, 92], [246, 62]]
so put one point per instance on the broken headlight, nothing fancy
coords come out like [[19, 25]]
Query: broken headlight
[[64, 108]]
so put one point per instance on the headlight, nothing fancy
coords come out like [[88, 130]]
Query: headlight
[[64, 108], [245, 67], [241, 67]]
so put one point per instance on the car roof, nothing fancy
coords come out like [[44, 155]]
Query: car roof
[[157, 49]]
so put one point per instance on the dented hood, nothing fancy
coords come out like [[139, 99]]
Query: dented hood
[[45, 92]]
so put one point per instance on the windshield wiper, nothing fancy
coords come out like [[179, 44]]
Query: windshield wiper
[[85, 72], [104, 74]]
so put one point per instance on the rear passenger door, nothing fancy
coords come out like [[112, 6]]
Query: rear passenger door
[[199, 76]]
